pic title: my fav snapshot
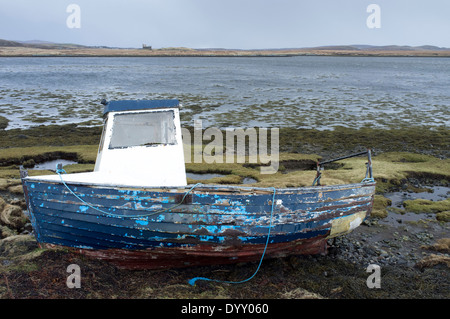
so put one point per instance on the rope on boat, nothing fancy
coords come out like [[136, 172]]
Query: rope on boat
[[60, 170], [193, 280]]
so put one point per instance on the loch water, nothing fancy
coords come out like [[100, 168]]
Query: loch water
[[318, 92]]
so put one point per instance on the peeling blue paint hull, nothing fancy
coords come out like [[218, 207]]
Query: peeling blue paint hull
[[152, 228]]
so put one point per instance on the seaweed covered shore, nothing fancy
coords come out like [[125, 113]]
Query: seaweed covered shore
[[407, 236]]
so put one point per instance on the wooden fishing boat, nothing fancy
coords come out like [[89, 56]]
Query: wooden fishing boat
[[136, 210]]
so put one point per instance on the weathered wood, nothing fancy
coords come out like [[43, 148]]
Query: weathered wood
[[215, 225]]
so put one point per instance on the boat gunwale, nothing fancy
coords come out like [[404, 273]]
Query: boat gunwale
[[205, 187]]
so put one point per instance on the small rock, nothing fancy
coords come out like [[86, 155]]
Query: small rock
[[17, 189], [337, 290], [13, 217], [401, 261], [29, 163], [300, 293]]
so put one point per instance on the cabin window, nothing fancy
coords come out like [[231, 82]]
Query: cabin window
[[143, 129]]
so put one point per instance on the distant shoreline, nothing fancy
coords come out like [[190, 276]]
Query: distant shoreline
[[186, 52]]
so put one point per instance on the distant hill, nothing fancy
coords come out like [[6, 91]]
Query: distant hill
[[366, 47], [45, 48], [39, 44], [35, 42], [335, 48], [354, 47], [6, 43]]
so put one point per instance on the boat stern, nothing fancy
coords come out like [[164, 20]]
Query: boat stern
[[346, 224]]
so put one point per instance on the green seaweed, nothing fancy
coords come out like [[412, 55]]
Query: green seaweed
[[3, 122], [427, 206], [443, 216], [299, 150], [380, 205]]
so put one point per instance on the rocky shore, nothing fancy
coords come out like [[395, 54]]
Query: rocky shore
[[407, 236], [414, 261]]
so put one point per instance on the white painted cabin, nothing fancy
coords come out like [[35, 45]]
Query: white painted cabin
[[141, 145]]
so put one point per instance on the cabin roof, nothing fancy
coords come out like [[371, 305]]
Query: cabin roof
[[131, 105]]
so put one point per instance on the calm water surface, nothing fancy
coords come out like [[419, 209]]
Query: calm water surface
[[303, 92]]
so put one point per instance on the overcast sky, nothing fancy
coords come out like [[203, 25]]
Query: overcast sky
[[241, 24]]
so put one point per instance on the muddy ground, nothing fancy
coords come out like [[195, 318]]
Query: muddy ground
[[412, 266], [412, 253]]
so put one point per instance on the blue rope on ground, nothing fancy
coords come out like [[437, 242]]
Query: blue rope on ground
[[193, 280]]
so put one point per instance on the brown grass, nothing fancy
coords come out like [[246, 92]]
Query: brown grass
[[24, 51]]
